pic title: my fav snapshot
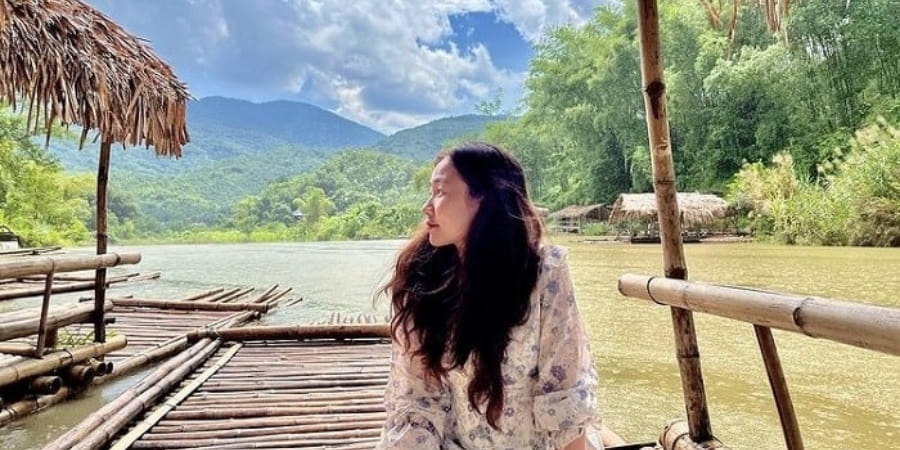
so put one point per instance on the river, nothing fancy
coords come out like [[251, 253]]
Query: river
[[845, 397]]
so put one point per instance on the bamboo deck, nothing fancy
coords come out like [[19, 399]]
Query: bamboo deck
[[277, 394], [154, 330]]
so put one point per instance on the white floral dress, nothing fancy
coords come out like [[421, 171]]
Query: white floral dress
[[548, 376]]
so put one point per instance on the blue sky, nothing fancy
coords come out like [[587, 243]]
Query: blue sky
[[388, 64]]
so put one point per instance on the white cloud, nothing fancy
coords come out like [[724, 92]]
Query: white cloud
[[534, 17], [383, 63]]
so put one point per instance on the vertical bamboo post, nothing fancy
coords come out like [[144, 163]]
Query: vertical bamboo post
[[102, 236], [667, 211], [45, 307], [783, 403]]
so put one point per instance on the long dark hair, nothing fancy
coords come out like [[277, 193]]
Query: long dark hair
[[465, 307]]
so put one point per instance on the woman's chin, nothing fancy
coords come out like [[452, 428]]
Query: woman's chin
[[435, 240]]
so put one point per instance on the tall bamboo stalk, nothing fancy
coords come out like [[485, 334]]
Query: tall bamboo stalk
[[102, 237], [664, 185]]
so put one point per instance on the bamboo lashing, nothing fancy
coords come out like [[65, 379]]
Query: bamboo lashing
[[861, 325], [295, 332], [42, 265], [654, 90]]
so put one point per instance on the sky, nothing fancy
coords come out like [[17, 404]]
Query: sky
[[387, 64]]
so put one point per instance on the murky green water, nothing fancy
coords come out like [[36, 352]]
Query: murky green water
[[845, 397]]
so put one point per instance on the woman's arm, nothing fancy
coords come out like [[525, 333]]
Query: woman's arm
[[417, 407], [566, 403]]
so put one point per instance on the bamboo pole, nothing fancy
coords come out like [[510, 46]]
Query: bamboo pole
[[295, 332], [160, 412], [45, 385], [42, 265], [168, 426], [96, 429], [32, 367], [190, 305], [202, 295], [172, 346], [220, 296], [79, 374], [57, 318], [321, 425], [24, 407], [102, 237], [654, 90], [777, 382], [861, 325], [45, 307], [329, 437]]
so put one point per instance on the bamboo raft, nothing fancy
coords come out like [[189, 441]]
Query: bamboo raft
[[153, 329], [30, 286]]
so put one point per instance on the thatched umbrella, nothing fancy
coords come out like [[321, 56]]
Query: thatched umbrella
[[70, 64], [696, 209]]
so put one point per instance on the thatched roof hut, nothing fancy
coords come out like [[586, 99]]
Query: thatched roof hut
[[597, 212], [696, 209], [69, 63]]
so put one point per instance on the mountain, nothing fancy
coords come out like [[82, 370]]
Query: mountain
[[223, 128], [238, 147], [422, 143]]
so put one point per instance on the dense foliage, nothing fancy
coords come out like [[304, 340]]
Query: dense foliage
[[797, 126]]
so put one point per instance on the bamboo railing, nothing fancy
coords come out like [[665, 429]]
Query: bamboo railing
[[43, 265], [866, 326]]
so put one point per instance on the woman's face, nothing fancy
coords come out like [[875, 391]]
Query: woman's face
[[450, 209]]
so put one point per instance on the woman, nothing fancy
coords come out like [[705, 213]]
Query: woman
[[489, 350]]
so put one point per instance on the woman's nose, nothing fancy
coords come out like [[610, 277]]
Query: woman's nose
[[427, 205]]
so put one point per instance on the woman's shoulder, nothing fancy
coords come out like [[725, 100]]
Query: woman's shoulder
[[553, 256]]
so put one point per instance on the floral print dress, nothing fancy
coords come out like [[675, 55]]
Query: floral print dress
[[548, 376]]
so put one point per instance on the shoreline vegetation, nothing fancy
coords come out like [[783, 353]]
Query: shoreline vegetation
[[801, 136]]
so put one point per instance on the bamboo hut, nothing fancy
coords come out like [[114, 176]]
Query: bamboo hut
[[695, 209], [67, 63], [572, 218]]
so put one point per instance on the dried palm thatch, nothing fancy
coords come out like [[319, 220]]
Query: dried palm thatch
[[71, 64], [696, 209], [598, 211]]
